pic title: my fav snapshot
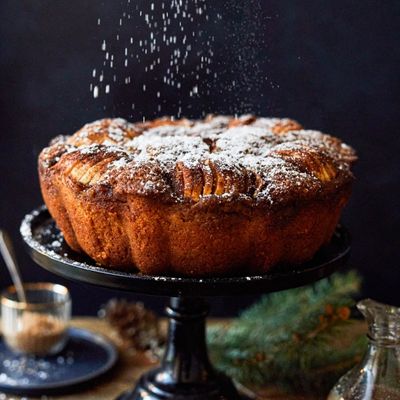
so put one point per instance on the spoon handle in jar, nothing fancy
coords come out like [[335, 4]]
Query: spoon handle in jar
[[7, 251]]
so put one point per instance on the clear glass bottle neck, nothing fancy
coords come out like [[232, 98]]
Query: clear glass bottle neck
[[383, 341], [383, 323]]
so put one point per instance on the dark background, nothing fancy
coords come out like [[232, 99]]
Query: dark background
[[333, 65]]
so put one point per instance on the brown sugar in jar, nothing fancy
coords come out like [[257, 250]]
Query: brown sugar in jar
[[37, 326], [38, 334]]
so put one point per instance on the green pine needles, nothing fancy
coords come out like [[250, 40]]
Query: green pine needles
[[301, 339]]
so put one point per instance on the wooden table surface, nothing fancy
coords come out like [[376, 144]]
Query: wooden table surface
[[127, 371]]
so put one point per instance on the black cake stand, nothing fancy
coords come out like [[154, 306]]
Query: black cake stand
[[185, 372]]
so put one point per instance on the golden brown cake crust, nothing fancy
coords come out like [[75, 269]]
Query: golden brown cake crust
[[213, 197]]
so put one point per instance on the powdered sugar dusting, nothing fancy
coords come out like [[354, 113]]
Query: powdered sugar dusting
[[245, 155], [167, 150]]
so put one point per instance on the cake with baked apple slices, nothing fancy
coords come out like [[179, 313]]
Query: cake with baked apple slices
[[221, 196]]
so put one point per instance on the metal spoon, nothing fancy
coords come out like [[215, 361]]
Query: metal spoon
[[7, 251]]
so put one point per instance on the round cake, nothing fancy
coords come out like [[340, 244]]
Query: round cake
[[215, 197]]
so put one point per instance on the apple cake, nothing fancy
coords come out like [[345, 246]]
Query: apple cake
[[214, 197]]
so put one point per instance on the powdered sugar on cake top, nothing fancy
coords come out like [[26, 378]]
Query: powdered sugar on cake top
[[266, 151]]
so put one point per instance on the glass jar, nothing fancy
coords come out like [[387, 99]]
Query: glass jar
[[377, 377], [39, 325]]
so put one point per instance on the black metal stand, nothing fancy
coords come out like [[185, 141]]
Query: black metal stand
[[185, 372]]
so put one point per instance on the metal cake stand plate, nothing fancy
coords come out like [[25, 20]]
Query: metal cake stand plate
[[185, 372]]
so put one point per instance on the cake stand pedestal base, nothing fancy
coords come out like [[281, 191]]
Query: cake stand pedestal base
[[185, 372]]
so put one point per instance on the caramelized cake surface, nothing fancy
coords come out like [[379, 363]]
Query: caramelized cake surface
[[211, 197]]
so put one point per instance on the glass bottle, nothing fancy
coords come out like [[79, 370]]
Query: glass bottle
[[377, 377]]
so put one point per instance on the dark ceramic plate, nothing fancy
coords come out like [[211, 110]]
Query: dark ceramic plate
[[86, 357], [47, 247]]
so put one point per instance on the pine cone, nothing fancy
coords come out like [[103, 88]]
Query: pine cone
[[137, 326]]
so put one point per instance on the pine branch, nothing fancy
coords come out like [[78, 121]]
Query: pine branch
[[291, 337]]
